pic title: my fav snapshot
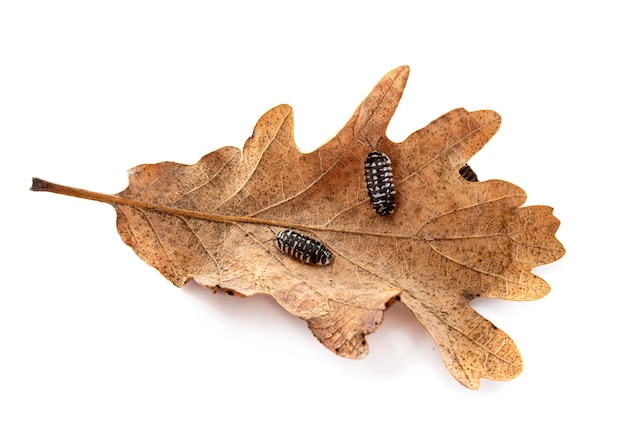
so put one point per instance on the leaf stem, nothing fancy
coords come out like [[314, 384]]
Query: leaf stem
[[40, 185]]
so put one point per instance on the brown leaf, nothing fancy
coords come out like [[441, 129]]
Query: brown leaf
[[449, 240]]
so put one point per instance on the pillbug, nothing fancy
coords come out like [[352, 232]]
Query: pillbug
[[468, 174], [303, 248], [379, 182]]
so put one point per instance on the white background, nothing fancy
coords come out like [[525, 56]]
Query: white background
[[91, 334]]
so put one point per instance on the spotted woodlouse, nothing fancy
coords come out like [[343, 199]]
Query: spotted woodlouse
[[379, 182], [303, 248], [468, 174]]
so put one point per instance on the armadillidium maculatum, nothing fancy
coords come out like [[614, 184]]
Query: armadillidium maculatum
[[379, 181], [468, 174], [304, 248]]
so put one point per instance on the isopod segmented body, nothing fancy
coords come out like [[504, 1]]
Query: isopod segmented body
[[303, 248], [468, 174], [379, 182]]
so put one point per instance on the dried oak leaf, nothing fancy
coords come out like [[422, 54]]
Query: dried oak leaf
[[448, 242]]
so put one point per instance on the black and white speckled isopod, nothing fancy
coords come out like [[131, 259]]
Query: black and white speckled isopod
[[468, 174], [379, 182], [303, 248]]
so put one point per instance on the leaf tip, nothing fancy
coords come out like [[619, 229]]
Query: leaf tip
[[401, 72], [403, 69]]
